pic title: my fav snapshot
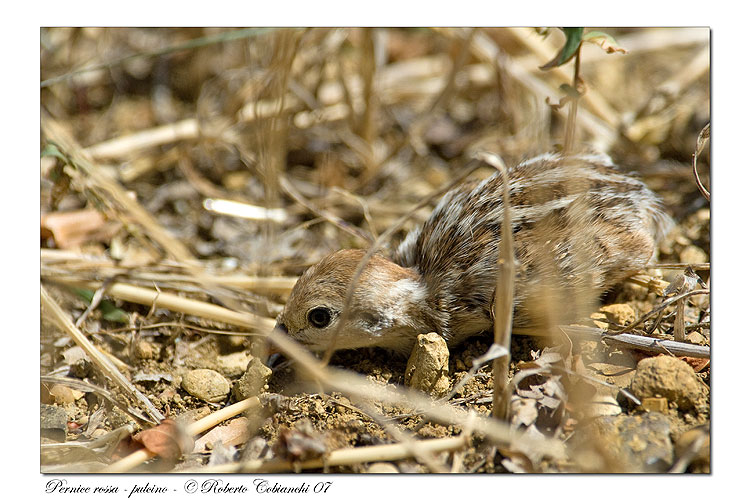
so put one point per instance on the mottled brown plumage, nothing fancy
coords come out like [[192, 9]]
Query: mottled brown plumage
[[579, 227]]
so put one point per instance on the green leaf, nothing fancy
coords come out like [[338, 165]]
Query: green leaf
[[51, 149], [573, 38], [109, 311], [605, 41]]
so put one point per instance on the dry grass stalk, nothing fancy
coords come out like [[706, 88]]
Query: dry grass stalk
[[118, 147], [83, 386], [654, 40], [61, 263], [289, 189], [653, 284], [503, 297], [102, 362], [350, 456], [176, 303], [136, 458], [699, 145]]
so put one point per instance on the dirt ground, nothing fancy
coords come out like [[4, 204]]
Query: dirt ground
[[343, 131]]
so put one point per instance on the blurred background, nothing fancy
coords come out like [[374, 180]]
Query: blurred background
[[360, 123]]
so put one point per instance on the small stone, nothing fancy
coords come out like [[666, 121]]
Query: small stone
[[233, 365], [622, 314], [670, 378], [99, 433], [637, 443], [695, 338], [64, 394], [600, 320], [693, 255], [207, 385], [427, 368], [146, 350], [54, 422], [253, 381], [382, 468], [659, 405]]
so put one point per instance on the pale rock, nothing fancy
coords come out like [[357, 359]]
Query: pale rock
[[427, 368], [671, 378], [253, 381], [208, 385]]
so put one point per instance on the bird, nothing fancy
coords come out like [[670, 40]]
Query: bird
[[579, 227]]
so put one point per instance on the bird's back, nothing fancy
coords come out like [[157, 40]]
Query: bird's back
[[579, 227]]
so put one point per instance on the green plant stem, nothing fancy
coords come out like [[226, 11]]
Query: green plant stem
[[570, 124]]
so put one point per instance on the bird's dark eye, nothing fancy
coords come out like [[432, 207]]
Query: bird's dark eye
[[319, 317]]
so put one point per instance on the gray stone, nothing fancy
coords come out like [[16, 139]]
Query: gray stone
[[53, 422], [638, 443]]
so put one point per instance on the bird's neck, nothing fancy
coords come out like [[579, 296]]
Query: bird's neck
[[401, 305]]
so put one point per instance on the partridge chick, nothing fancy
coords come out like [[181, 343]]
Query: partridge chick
[[579, 227]]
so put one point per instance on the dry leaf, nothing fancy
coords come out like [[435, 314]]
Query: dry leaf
[[299, 445], [167, 440], [605, 41], [697, 364]]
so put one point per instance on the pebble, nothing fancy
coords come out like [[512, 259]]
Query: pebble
[[233, 365], [253, 381], [693, 255], [670, 378], [622, 314], [207, 385], [638, 443], [382, 468], [64, 394], [54, 422], [146, 350], [427, 368], [695, 338]]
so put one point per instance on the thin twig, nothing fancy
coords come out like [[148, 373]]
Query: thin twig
[[97, 358], [82, 385], [349, 456], [699, 145], [638, 342], [325, 214], [504, 294], [660, 307], [138, 457], [176, 303]]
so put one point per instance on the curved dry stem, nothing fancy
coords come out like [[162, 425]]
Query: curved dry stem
[[99, 360]]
